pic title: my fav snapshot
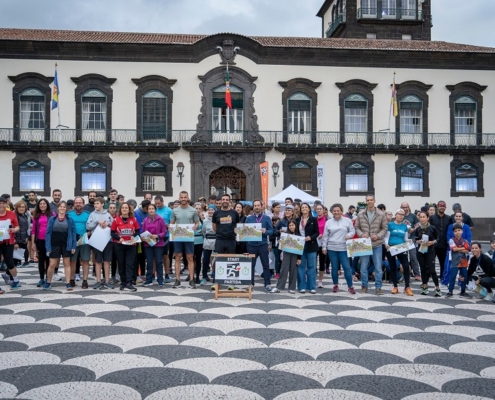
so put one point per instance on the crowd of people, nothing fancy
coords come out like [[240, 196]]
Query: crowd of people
[[41, 231]]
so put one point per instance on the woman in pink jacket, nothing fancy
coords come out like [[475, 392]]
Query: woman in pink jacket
[[156, 247], [42, 213]]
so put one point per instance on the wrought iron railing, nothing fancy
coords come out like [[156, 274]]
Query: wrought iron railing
[[340, 19], [390, 13]]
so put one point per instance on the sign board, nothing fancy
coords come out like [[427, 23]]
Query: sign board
[[233, 270]]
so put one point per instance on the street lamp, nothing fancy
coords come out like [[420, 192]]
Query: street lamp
[[180, 170], [275, 168]]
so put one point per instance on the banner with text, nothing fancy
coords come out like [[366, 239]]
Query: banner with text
[[264, 181], [320, 174]]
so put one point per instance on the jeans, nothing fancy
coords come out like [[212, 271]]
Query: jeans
[[262, 253], [335, 257], [306, 272], [154, 253], [377, 261], [276, 253], [453, 275], [488, 283], [206, 262]]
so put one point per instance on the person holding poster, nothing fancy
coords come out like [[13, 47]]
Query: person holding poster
[[306, 272], [290, 261], [335, 234], [224, 222], [397, 234]]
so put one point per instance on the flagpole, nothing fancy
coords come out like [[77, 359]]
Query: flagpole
[[390, 115], [227, 123]]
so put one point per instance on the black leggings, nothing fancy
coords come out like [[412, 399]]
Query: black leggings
[[402, 257], [126, 256], [323, 260], [43, 260], [198, 255], [441, 253], [427, 264]]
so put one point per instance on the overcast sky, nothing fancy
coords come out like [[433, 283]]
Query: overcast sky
[[458, 21]]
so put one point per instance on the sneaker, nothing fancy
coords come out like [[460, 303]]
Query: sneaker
[[160, 285], [122, 286], [47, 286], [417, 278], [77, 277], [335, 288], [139, 280], [274, 290], [302, 291], [192, 284], [449, 294], [379, 292], [203, 282], [197, 281], [73, 282], [395, 290], [69, 287], [176, 284], [351, 290], [292, 291], [438, 293], [313, 291], [231, 287], [15, 285], [327, 271], [425, 291], [408, 291], [6, 278], [97, 286], [364, 289], [25, 265], [148, 283], [130, 288], [56, 277], [488, 297], [108, 285], [268, 288], [319, 284], [85, 285], [114, 280], [466, 295], [168, 280], [40, 283], [213, 287]]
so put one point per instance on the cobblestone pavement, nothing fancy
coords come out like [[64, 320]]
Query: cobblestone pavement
[[170, 344]]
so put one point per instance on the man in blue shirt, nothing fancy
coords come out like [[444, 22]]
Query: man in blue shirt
[[260, 249], [166, 213], [80, 216]]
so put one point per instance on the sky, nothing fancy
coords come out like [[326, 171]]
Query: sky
[[457, 21]]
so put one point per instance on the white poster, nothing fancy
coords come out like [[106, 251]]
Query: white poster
[[100, 238], [320, 176]]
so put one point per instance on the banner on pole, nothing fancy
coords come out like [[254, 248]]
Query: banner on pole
[[264, 181], [320, 174]]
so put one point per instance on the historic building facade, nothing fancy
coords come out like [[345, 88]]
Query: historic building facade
[[146, 112]]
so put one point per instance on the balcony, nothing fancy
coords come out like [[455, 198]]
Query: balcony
[[340, 20], [127, 139], [401, 14]]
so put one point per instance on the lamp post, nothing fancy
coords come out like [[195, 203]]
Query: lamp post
[[180, 170], [275, 168]]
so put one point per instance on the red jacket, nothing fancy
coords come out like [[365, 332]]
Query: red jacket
[[125, 230]]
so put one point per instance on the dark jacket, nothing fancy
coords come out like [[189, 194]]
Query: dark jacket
[[432, 233], [482, 267], [311, 230], [441, 224]]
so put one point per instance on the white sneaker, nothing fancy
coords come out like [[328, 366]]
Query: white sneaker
[[56, 277], [292, 291], [313, 291], [274, 290], [77, 277], [319, 284], [139, 280]]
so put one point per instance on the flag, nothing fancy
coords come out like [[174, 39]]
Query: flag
[[228, 97], [56, 91], [394, 99]]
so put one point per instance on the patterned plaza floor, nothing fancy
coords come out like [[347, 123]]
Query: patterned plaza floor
[[171, 344]]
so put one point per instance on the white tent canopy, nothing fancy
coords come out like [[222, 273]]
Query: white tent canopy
[[294, 193]]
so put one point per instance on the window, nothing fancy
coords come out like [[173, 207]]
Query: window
[[408, 9], [299, 113], [388, 8], [371, 36], [32, 116], [368, 8], [356, 178], [411, 178], [406, 36], [466, 178], [465, 115], [94, 110], [356, 114], [31, 176], [411, 115], [93, 176], [224, 119], [154, 114], [154, 177], [300, 176]]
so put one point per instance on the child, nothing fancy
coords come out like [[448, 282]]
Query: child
[[290, 262], [459, 249]]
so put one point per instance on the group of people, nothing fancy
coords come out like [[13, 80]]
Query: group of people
[[139, 248]]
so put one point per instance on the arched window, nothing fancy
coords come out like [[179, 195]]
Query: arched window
[[31, 176], [300, 175], [235, 120], [356, 113], [154, 114], [356, 178], [93, 176], [411, 178], [465, 115], [466, 178], [94, 110], [32, 109], [411, 114], [154, 177], [299, 113]]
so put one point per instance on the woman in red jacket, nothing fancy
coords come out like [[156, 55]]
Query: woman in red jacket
[[124, 228]]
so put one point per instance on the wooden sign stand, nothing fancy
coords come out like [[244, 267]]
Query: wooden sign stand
[[237, 293]]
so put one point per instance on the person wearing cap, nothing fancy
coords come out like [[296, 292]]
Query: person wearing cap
[[466, 219], [441, 221], [9, 226]]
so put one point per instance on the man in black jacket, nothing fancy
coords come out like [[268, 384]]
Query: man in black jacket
[[441, 221]]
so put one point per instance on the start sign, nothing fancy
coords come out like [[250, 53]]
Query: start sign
[[233, 270]]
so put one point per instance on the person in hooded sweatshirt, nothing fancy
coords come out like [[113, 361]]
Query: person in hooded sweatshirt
[[101, 217]]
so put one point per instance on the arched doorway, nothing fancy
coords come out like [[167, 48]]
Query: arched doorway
[[228, 180]]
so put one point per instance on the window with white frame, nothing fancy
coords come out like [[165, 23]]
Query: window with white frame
[[356, 178], [31, 176], [154, 177], [356, 113], [411, 178], [466, 178], [408, 9], [154, 114], [299, 113], [94, 110], [465, 115], [411, 115], [368, 8], [223, 118], [300, 175], [93, 176], [389, 8], [32, 109]]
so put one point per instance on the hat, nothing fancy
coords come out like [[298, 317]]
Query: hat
[[212, 206], [3, 200], [289, 207]]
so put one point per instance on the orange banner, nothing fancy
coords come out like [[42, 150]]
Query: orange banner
[[264, 182]]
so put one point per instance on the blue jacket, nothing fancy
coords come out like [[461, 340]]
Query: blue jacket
[[266, 222], [71, 237]]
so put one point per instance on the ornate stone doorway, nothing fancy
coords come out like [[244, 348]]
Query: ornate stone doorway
[[228, 180]]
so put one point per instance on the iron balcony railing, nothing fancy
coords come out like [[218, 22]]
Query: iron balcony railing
[[340, 19], [390, 13], [74, 137]]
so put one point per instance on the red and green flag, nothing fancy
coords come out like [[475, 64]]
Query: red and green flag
[[228, 97]]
